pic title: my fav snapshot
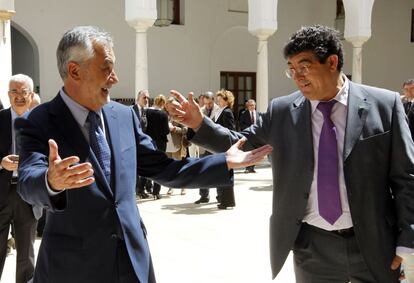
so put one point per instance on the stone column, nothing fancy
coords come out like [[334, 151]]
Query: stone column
[[357, 31], [141, 15], [262, 24], [6, 12]]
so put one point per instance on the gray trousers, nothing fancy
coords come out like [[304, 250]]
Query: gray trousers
[[324, 257], [19, 213]]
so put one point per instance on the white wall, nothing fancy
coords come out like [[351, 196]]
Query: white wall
[[190, 57]]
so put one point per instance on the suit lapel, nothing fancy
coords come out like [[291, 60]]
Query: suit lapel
[[112, 127], [302, 123], [358, 109], [73, 137], [68, 128]]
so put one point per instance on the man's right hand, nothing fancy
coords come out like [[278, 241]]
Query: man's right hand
[[67, 173], [10, 162], [186, 112]]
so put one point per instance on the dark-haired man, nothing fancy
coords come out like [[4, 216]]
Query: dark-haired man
[[343, 167]]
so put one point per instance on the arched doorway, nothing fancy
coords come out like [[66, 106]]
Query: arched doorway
[[25, 54]]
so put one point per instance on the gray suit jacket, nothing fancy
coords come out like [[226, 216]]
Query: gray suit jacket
[[378, 168]]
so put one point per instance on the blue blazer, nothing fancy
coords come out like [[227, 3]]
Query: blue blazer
[[84, 225]]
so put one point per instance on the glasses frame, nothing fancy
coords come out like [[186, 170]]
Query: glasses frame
[[302, 70], [23, 92]]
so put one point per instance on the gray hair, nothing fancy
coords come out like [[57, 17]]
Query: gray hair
[[209, 95], [76, 45], [251, 101], [24, 79], [408, 82]]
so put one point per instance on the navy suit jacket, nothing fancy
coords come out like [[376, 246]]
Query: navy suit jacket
[[84, 225], [378, 167], [5, 149]]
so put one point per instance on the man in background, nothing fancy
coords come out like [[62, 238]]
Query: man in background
[[14, 211], [247, 118], [408, 101], [141, 104]]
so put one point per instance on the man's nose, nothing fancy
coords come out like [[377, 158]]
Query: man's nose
[[113, 78]]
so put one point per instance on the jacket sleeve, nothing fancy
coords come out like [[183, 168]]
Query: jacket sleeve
[[402, 175], [33, 165]]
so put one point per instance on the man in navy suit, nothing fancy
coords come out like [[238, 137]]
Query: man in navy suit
[[343, 168], [80, 157]]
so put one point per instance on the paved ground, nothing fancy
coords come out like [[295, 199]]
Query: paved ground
[[200, 244]]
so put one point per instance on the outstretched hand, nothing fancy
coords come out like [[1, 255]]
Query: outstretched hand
[[186, 112], [236, 158], [67, 173]]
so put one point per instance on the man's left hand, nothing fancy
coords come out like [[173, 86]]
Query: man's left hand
[[236, 158], [407, 262]]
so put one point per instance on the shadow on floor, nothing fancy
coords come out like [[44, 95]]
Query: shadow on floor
[[262, 188], [191, 208]]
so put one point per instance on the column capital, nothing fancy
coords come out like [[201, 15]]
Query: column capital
[[6, 15], [141, 25]]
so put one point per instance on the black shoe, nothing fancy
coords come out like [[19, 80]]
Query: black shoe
[[223, 206], [157, 196], [142, 195], [202, 200]]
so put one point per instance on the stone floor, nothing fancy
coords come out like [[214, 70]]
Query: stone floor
[[200, 244]]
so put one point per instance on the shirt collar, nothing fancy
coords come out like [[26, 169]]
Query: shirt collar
[[14, 115], [341, 96], [79, 112]]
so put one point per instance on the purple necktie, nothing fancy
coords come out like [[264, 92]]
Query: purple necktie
[[328, 178]]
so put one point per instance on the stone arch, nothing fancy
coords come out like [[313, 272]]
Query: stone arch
[[25, 54]]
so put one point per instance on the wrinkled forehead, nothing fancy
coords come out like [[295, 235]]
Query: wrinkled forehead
[[18, 85]]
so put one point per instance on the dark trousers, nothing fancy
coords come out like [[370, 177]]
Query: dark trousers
[[321, 256], [226, 196], [15, 210], [205, 193], [161, 145]]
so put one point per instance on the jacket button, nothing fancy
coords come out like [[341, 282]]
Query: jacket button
[[114, 236]]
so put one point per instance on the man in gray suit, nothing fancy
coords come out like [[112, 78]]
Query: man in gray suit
[[343, 167]]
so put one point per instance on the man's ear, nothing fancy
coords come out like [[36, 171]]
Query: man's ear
[[74, 71], [333, 62]]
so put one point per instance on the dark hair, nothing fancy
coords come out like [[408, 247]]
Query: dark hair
[[408, 82], [321, 40]]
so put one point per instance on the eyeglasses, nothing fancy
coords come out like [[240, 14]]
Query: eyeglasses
[[23, 92], [302, 70]]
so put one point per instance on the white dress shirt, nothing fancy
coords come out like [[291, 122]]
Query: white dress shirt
[[338, 117]]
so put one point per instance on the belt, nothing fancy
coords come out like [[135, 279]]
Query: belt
[[345, 233]]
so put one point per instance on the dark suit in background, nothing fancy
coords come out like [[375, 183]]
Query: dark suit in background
[[246, 121], [157, 129], [226, 194], [142, 182], [409, 110], [14, 211]]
